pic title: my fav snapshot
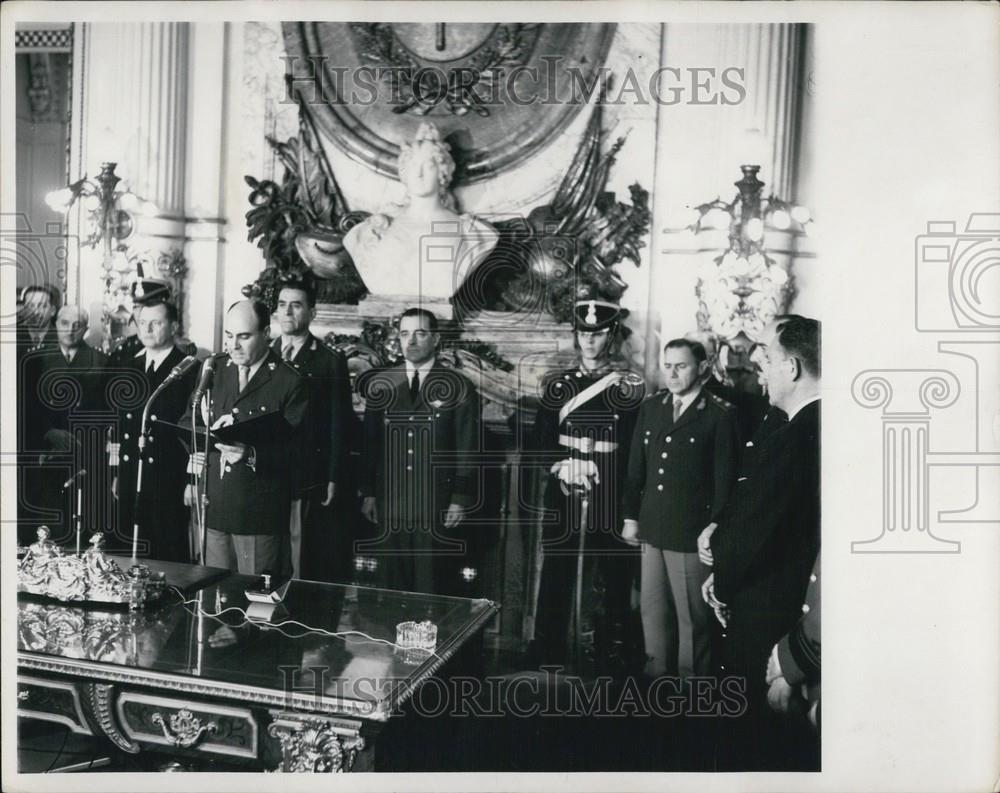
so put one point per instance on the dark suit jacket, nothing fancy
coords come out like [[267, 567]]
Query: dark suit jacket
[[325, 435], [418, 455], [680, 474], [254, 500], [765, 547], [163, 518], [30, 416]]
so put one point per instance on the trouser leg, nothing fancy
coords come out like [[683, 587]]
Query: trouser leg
[[219, 550], [555, 601], [294, 561], [257, 553], [685, 575], [659, 617]]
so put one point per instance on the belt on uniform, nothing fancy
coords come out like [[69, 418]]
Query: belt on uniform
[[587, 445]]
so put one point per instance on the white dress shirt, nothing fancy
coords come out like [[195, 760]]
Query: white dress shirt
[[156, 357], [424, 369], [687, 399], [297, 343]]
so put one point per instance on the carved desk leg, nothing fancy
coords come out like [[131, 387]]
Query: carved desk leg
[[98, 698], [315, 744]]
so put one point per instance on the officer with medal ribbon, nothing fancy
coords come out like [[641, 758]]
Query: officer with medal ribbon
[[583, 429]]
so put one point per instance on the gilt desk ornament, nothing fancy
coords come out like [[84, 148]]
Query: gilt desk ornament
[[88, 577], [421, 247]]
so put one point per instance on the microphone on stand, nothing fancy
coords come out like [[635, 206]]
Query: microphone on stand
[[78, 475], [206, 379], [181, 369], [207, 370]]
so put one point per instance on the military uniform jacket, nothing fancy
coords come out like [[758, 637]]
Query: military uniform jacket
[[588, 416], [163, 516], [324, 437], [419, 455], [65, 392], [245, 499], [765, 547], [799, 650], [680, 474]]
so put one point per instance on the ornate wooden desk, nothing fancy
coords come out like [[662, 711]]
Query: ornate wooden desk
[[222, 692]]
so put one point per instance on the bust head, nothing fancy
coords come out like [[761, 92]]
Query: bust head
[[426, 166]]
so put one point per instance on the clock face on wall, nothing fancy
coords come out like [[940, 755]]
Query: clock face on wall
[[498, 92], [442, 42]]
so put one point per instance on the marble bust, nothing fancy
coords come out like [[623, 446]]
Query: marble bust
[[422, 246]]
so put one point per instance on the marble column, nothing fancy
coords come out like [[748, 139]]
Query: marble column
[[134, 105]]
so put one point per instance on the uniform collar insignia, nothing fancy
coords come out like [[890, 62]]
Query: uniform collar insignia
[[271, 365], [701, 403]]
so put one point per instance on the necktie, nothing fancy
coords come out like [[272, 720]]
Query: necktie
[[149, 367], [415, 386], [287, 352], [677, 409], [244, 373]]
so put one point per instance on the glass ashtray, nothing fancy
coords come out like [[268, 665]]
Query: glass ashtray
[[417, 635]]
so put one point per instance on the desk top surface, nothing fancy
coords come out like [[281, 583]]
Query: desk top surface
[[203, 644]]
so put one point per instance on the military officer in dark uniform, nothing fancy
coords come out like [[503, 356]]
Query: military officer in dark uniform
[[680, 473], [583, 429], [249, 486], [162, 516], [421, 432], [319, 535]]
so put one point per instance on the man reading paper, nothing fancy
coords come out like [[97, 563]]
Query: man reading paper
[[248, 485]]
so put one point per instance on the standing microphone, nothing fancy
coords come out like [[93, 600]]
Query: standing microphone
[[206, 378], [181, 369], [78, 475]]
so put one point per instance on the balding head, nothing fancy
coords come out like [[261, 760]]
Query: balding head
[[71, 325], [247, 331]]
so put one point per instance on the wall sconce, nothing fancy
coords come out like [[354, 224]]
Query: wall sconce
[[111, 220], [741, 290]]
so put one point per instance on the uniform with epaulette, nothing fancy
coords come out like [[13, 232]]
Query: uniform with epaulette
[[324, 442], [583, 428], [163, 518], [253, 496], [680, 475]]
